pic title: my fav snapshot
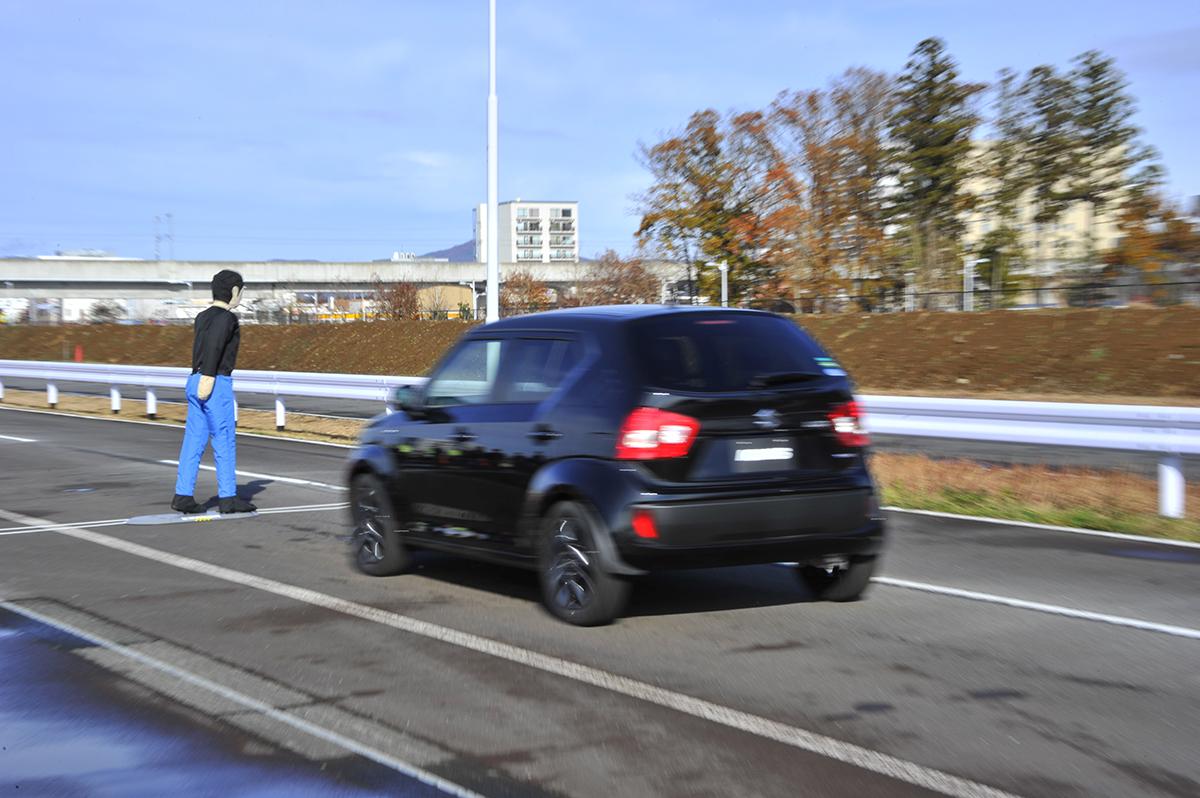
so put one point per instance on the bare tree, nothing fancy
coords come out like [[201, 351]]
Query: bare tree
[[523, 293], [613, 280], [397, 300]]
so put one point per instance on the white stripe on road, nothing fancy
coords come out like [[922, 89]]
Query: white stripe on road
[[1187, 544], [273, 477], [15, 439], [246, 701], [849, 753], [1037, 606], [25, 530]]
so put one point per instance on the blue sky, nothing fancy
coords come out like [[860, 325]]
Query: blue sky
[[349, 130]]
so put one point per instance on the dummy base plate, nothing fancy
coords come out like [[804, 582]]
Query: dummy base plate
[[180, 518]]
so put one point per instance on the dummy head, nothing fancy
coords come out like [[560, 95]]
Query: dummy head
[[227, 287]]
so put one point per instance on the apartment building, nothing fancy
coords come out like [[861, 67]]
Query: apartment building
[[1048, 247], [531, 232]]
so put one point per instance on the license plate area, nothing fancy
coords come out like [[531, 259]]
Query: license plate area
[[760, 454]]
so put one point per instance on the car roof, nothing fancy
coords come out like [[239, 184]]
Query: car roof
[[602, 315]]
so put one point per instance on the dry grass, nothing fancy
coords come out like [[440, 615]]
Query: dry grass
[[257, 421], [1109, 500]]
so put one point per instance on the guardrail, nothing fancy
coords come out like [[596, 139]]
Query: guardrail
[[1170, 432], [280, 384]]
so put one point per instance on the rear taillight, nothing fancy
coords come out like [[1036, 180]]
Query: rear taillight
[[652, 434], [847, 422]]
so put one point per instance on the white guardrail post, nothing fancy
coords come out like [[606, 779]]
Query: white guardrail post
[[151, 403], [114, 395], [52, 394], [1170, 486]]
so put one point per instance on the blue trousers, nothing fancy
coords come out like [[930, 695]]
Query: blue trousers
[[207, 419]]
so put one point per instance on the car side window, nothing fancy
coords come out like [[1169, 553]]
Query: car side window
[[535, 368], [468, 377]]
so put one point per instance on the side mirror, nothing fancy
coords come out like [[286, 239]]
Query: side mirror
[[407, 398]]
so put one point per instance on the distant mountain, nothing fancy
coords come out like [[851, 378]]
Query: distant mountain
[[459, 253]]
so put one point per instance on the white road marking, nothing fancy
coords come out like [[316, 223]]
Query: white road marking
[[849, 753], [1037, 606], [15, 439], [248, 702], [1187, 544], [50, 527], [273, 477], [933, 513]]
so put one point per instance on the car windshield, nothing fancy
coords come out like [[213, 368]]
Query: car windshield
[[716, 352]]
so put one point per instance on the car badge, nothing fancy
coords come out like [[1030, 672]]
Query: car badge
[[766, 419]]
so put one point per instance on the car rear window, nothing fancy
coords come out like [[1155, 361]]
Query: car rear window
[[716, 352]]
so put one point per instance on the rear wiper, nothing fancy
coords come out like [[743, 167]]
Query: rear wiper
[[781, 377]]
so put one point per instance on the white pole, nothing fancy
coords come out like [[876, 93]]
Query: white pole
[[493, 209], [151, 403], [1, 390], [968, 272], [51, 394], [1170, 486], [114, 393], [724, 267], [280, 413]]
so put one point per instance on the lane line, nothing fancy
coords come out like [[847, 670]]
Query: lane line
[[933, 513], [50, 527], [848, 753], [253, 704], [169, 425], [273, 477], [15, 439], [1075, 530], [1037, 606]]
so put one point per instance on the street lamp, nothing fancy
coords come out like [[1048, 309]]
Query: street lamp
[[493, 205], [969, 282], [724, 267]]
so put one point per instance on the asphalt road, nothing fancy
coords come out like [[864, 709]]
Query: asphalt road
[[1000, 453], [988, 658]]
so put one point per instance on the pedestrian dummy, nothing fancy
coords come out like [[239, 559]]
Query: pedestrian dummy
[[210, 400]]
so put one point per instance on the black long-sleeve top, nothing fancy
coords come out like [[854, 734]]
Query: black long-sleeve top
[[215, 347]]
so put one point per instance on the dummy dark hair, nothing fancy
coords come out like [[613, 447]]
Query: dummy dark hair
[[223, 283]]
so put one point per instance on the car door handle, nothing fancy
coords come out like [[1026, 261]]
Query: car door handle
[[462, 436], [544, 434]]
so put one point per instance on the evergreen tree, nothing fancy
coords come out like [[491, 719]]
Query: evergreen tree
[[1107, 152], [1049, 146], [931, 133]]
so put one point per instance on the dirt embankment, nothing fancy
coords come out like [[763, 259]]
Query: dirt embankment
[[1102, 354]]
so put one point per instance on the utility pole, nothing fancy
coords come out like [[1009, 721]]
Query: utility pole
[[171, 235], [157, 236], [493, 204]]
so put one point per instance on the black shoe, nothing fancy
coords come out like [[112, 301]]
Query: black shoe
[[236, 504], [186, 505]]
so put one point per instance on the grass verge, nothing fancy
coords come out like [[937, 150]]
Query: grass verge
[[1111, 501]]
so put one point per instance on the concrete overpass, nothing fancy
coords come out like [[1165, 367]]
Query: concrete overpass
[[147, 288]]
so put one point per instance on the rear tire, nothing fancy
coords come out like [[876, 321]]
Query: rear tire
[[376, 546], [838, 584], [575, 587]]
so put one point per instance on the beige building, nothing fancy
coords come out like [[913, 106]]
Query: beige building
[[1049, 248], [531, 232]]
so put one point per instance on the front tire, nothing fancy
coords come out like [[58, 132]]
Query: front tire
[[847, 583], [575, 587], [377, 548]]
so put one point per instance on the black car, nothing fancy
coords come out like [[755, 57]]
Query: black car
[[599, 444]]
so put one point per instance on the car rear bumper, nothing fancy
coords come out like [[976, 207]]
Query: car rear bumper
[[794, 527]]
